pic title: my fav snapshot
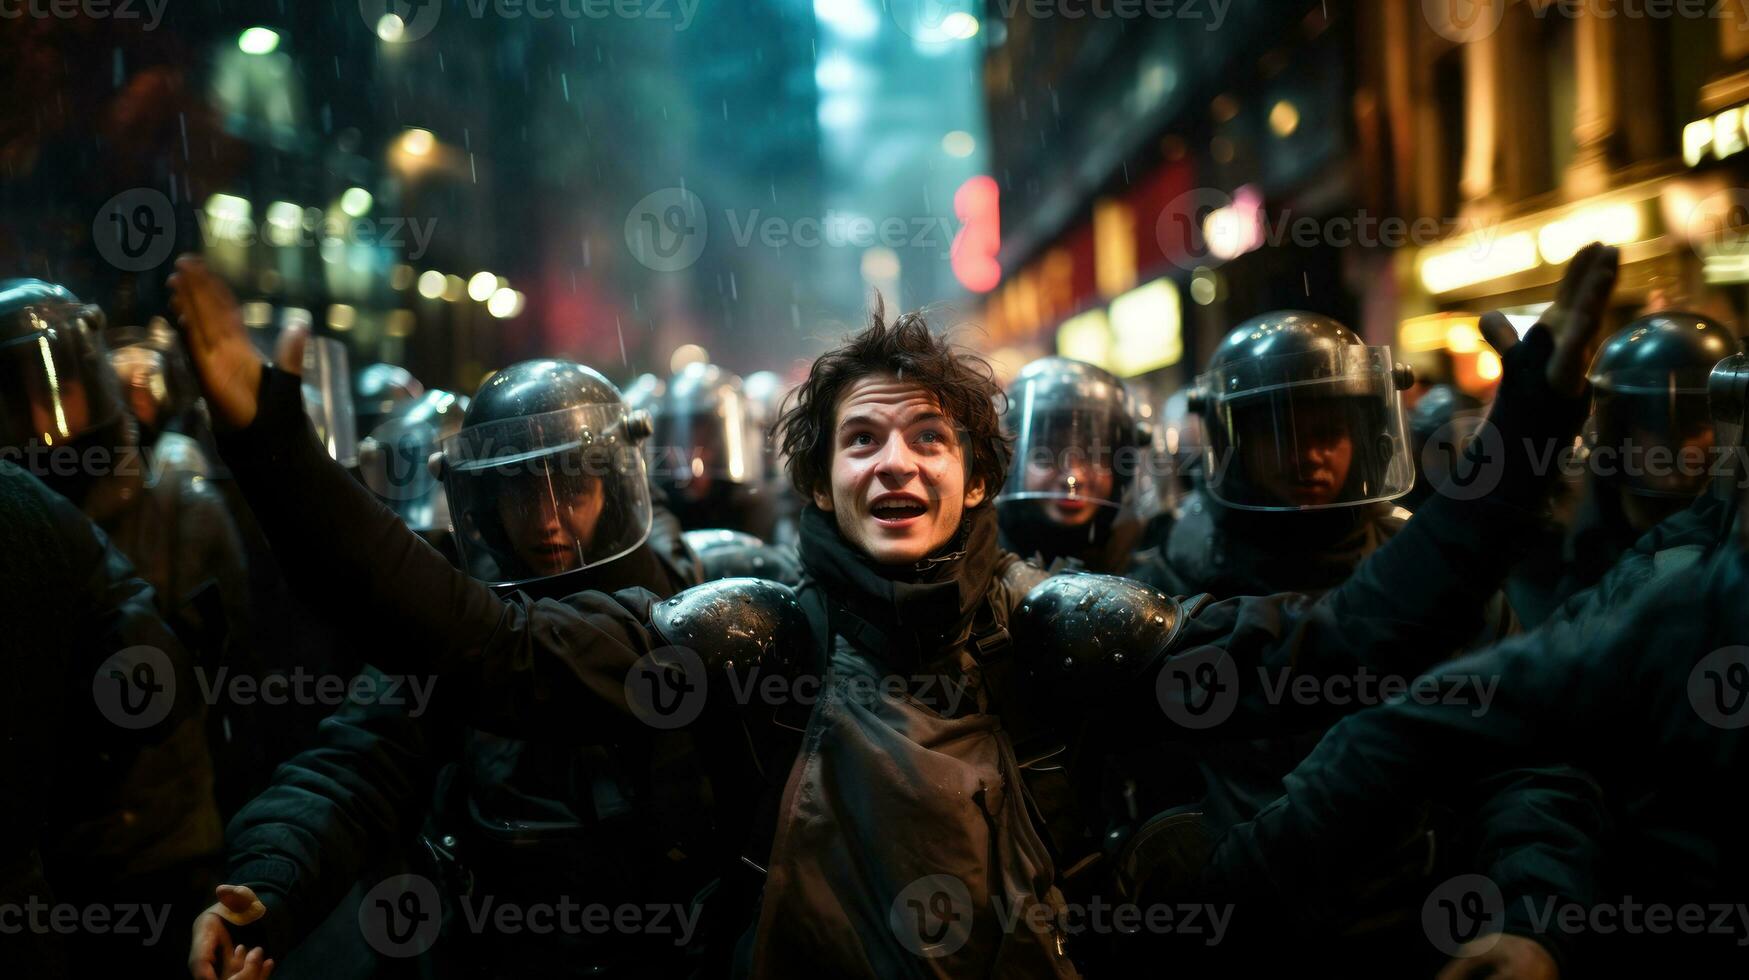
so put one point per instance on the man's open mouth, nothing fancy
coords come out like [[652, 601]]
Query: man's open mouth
[[897, 510]]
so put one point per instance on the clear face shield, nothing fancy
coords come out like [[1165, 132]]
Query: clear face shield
[[537, 496], [708, 441], [1071, 463], [1657, 426], [1306, 431], [393, 459], [55, 379]]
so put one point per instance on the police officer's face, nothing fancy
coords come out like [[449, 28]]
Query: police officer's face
[[548, 537], [1078, 480], [1303, 462], [898, 471]]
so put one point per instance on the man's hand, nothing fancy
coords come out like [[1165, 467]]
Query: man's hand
[[211, 956], [1510, 958], [1575, 318], [212, 329]]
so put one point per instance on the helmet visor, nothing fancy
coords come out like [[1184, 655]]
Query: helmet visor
[[542, 495], [55, 379], [1307, 431]]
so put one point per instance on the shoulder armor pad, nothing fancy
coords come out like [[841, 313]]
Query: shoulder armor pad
[[737, 623], [733, 554], [1092, 631]]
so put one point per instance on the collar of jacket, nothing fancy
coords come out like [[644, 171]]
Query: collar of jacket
[[903, 611], [1227, 551]]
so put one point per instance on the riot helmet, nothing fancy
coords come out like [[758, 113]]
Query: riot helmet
[[1078, 448], [379, 390], [392, 459], [546, 475], [707, 444], [155, 380], [1447, 407], [1302, 415], [1649, 403], [58, 392]]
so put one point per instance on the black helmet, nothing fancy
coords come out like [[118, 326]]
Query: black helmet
[[55, 380], [707, 439], [58, 392], [378, 390], [546, 476], [1303, 415], [1076, 438], [1649, 407], [392, 459], [1439, 406]]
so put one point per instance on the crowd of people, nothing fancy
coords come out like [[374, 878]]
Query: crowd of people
[[896, 673]]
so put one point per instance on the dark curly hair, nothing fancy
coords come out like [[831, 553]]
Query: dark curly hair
[[906, 349]]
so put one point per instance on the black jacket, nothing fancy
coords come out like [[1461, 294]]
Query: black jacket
[[71, 601], [1617, 683]]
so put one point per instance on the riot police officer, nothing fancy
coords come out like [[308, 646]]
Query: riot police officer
[[1079, 454], [709, 453], [1305, 450], [548, 496], [393, 462], [1648, 453], [378, 391], [148, 820]]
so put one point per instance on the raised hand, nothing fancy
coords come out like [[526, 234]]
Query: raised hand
[[1575, 319], [226, 362]]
